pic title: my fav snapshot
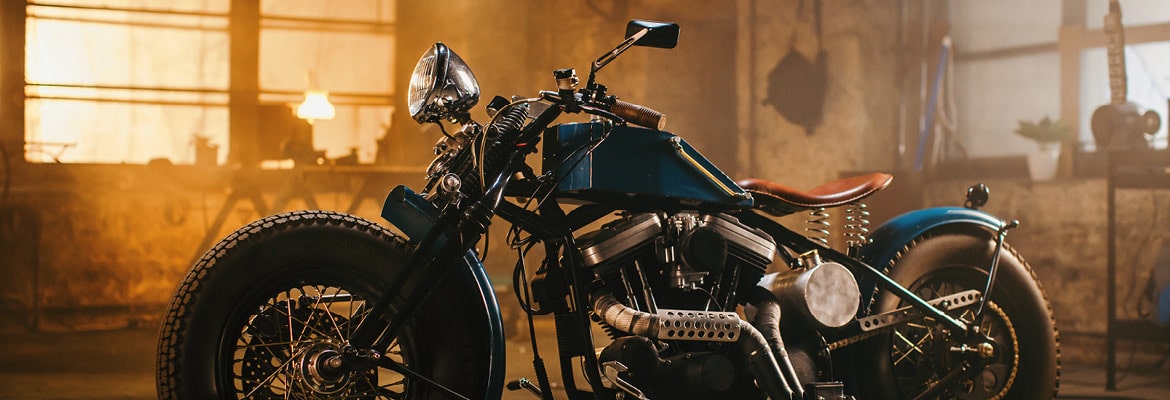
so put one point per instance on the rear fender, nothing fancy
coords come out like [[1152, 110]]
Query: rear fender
[[414, 216], [889, 238]]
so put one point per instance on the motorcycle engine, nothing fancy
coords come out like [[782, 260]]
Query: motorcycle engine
[[684, 261]]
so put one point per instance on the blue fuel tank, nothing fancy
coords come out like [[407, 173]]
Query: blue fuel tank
[[636, 168]]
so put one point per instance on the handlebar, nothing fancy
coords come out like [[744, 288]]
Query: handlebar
[[639, 114], [620, 110]]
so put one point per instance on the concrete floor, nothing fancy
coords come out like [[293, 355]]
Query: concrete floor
[[119, 365]]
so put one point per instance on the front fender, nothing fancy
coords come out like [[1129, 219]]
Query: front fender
[[414, 216], [896, 233]]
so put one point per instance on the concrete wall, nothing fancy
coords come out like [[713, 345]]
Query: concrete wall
[[101, 246]]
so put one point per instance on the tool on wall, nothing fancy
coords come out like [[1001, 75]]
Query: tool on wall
[[924, 133], [1118, 125], [797, 86]]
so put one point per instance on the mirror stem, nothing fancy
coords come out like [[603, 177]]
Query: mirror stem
[[606, 58]]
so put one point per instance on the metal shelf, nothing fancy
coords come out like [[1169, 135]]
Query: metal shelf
[[1145, 169]]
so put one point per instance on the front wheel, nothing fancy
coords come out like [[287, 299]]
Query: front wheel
[[261, 313], [1021, 358]]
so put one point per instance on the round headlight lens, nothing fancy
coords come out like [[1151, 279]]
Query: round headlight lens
[[441, 86], [422, 82]]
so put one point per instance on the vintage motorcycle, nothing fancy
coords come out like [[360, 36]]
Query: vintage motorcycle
[[643, 241]]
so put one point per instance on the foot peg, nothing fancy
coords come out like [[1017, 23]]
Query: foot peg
[[825, 391], [523, 383], [612, 369]]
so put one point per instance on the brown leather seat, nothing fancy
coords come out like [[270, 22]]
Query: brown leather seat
[[777, 199]]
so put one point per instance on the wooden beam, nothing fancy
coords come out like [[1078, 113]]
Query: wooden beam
[[12, 41], [1068, 45], [244, 89]]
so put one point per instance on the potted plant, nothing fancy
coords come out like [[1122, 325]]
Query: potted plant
[[1047, 134]]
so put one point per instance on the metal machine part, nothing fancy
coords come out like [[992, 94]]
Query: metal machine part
[[825, 293], [696, 375], [691, 249], [685, 375], [698, 325], [818, 226], [524, 383], [874, 324], [692, 246], [856, 225], [637, 353], [448, 173], [750, 342], [613, 241], [749, 243], [946, 303], [612, 369], [708, 326]]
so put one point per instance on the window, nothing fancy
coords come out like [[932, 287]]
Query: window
[[120, 82], [1011, 58], [1147, 58], [345, 48], [136, 81], [1007, 70]]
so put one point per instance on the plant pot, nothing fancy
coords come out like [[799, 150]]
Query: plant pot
[[1042, 164]]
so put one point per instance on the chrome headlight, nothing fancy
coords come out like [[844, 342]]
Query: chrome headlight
[[441, 87]]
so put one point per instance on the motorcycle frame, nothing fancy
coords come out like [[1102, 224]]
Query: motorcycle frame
[[417, 218], [444, 241]]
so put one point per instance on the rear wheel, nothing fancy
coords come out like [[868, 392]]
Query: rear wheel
[[263, 313], [1018, 355]]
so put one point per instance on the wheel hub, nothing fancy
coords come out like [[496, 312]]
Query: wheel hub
[[983, 349], [986, 350], [985, 358], [318, 369]]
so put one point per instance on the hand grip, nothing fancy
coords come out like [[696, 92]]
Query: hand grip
[[639, 115]]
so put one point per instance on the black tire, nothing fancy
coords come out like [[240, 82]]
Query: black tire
[[264, 303], [1026, 364]]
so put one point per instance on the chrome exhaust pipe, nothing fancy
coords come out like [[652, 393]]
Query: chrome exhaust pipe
[[768, 319], [701, 326]]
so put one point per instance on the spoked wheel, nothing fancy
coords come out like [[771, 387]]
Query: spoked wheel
[[267, 313], [924, 354], [1016, 354], [284, 349]]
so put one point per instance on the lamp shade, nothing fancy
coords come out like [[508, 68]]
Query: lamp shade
[[316, 106]]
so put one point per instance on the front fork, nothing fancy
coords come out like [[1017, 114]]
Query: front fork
[[452, 236]]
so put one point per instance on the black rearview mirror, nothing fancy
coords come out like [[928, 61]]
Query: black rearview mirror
[[663, 35], [639, 33]]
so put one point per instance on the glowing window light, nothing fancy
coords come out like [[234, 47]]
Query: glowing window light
[[316, 106]]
